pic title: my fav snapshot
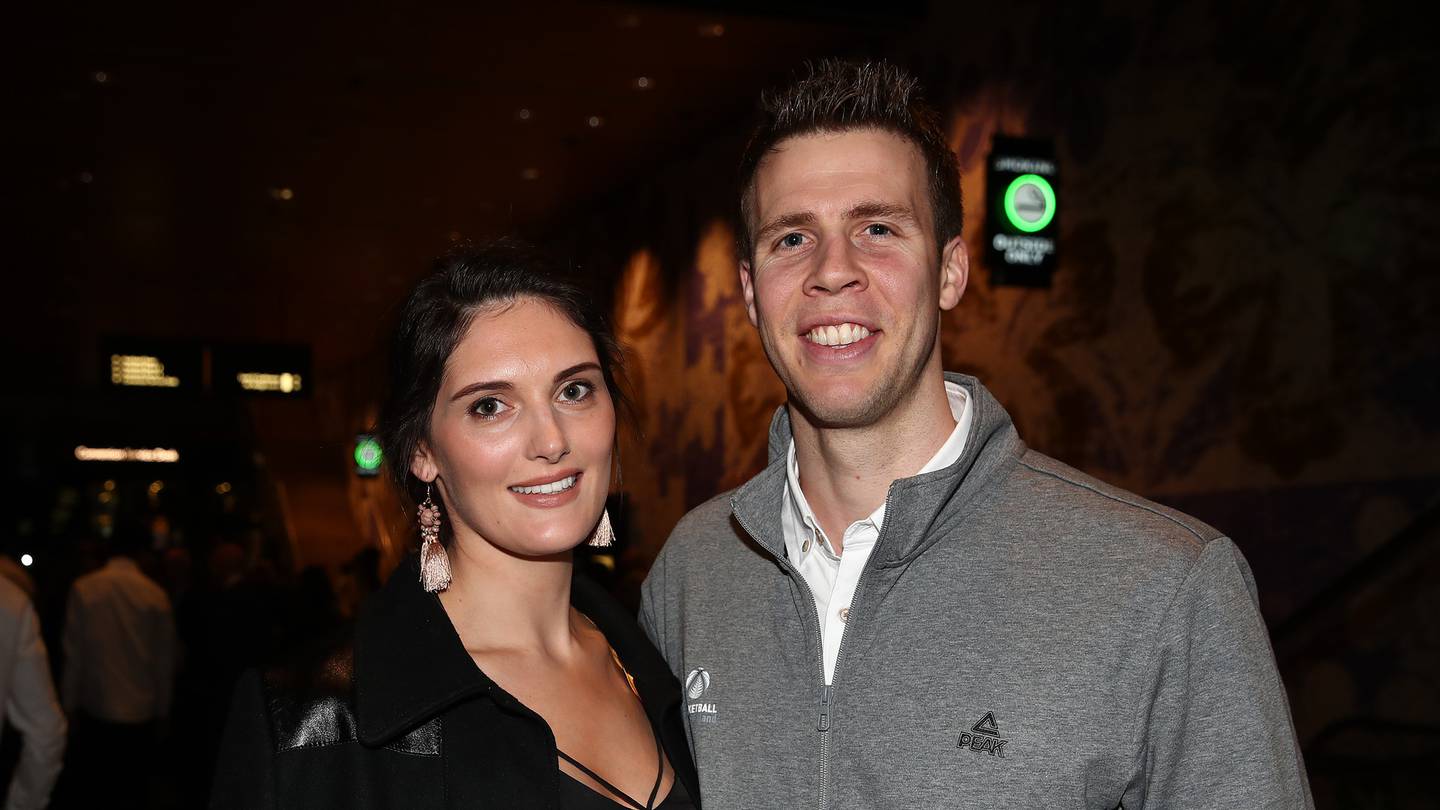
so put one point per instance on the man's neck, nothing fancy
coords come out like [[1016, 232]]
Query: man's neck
[[846, 472]]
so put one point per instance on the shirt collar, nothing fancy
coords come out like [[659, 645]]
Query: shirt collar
[[799, 519]]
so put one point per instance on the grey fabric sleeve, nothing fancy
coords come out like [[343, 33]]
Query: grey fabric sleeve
[[652, 608], [1213, 728]]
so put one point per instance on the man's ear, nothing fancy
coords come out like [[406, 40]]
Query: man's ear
[[954, 272], [422, 463], [747, 288]]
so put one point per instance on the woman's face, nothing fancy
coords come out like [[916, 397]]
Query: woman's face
[[522, 431]]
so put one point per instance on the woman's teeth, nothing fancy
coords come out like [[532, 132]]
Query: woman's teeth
[[841, 335], [547, 489]]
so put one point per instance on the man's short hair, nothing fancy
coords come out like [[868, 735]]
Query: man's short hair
[[840, 96]]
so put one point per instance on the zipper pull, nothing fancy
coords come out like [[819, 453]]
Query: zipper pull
[[825, 695]]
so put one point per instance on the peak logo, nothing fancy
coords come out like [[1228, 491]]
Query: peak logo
[[697, 685], [984, 736]]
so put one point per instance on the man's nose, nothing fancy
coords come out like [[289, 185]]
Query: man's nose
[[836, 269]]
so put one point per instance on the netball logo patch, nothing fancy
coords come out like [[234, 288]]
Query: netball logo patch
[[697, 686]]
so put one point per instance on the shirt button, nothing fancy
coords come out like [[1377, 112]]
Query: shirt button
[[805, 547], [844, 614]]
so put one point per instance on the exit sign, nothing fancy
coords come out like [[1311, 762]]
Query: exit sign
[[1022, 225]]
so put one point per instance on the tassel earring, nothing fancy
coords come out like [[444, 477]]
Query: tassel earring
[[604, 536], [434, 562]]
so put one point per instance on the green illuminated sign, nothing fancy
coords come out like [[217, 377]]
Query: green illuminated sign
[[368, 455], [1029, 203]]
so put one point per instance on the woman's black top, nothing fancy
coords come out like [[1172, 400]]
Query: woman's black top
[[402, 717]]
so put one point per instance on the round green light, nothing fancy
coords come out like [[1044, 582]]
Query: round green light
[[1047, 193], [368, 455]]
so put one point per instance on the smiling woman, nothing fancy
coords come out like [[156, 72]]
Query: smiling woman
[[486, 672]]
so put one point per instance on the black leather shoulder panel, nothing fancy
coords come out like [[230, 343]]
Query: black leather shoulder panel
[[312, 705]]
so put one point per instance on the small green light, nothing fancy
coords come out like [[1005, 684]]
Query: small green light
[[1047, 200], [368, 455]]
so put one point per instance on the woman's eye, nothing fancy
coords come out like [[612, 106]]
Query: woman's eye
[[792, 240], [878, 230], [576, 391], [489, 408]]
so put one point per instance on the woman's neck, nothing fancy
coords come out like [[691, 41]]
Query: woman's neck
[[502, 602]]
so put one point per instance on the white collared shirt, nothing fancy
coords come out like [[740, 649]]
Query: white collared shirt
[[120, 646], [832, 577], [27, 701]]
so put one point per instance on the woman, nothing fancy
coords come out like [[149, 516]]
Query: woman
[[484, 674]]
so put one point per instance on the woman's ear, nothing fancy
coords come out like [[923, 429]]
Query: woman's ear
[[422, 463]]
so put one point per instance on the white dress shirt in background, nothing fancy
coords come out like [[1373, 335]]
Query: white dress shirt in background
[[832, 577], [119, 646], [27, 702]]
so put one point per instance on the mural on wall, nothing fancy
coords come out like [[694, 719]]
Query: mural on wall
[[703, 386]]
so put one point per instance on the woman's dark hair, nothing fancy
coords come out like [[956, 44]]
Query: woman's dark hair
[[463, 283]]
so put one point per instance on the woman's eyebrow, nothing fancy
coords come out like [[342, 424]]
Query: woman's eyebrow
[[488, 385], [588, 365]]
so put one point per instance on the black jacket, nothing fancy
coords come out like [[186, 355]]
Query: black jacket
[[403, 718]]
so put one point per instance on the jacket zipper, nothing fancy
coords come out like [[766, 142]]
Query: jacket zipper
[[827, 691]]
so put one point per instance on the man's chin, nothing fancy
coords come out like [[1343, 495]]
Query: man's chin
[[835, 410]]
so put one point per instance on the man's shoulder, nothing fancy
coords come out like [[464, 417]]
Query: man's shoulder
[[1102, 513], [706, 535]]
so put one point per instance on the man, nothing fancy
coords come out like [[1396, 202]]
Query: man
[[908, 607], [27, 701], [120, 649]]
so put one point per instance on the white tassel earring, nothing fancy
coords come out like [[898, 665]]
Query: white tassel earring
[[604, 536], [434, 562]]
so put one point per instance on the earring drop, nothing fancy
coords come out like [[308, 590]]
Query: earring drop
[[604, 536], [434, 562]]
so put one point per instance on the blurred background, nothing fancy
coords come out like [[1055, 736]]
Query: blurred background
[[219, 208]]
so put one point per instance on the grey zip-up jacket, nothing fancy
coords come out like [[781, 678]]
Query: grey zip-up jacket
[[1022, 635]]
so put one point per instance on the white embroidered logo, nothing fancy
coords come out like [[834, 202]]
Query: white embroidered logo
[[697, 683]]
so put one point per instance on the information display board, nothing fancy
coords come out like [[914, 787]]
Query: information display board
[[151, 364], [270, 370]]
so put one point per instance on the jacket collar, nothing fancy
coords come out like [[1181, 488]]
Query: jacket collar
[[410, 664], [918, 507]]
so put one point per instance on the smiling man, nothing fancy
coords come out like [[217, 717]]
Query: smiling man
[[908, 607]]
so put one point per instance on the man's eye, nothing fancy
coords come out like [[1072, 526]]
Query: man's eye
[[878, 230], [576, 391], [489, 408], [792, 240]]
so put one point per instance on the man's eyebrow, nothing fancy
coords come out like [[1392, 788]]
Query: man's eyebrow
[[487, 385], [880, 210], [784, 222]]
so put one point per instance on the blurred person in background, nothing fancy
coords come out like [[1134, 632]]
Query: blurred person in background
[[485, 672], [119, 667], [28, 702]]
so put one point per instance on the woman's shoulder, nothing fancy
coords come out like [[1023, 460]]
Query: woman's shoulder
[[309, 696]]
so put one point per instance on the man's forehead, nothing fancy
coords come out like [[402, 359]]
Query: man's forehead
[[837, 170]]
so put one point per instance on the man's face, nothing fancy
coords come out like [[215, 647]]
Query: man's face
[[846, 286]]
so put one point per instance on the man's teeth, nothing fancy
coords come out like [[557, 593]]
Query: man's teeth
[[841, 335], [547, 489]]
